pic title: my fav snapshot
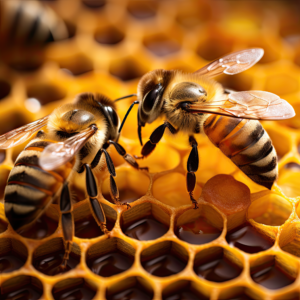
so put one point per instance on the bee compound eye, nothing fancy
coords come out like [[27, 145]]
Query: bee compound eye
[[113, 115], [151, 97]]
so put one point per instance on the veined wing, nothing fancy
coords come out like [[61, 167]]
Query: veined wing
[[21, 134], [256, 105], [58, 154], [233, 63]]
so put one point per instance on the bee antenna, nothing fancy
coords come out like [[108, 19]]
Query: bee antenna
[[128, 111], [125, 97], [140, 130]]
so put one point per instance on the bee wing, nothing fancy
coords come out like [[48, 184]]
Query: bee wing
[[256, 105], [21, 134], [58, 154], [233, 63]]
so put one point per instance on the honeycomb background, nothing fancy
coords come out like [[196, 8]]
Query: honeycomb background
[[111, 45]]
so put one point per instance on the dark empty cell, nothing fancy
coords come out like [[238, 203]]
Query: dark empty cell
[[11, 261], [164, 265], [147, 228], [297, 58], [10, 121], [197, 232], [133, 293], [271, 276], [50, 264], [127, 195], [126, 70], [28, 60], [241, 297], [41, 228], [26, 288], [76, 291], [293, 166], [142, 9], [94, 4], [87, 228], [217, 268], [239, 82], [3, 226], [77, 65], [71, 29], [212, 49], [109, 36], [45, 93], [248, 239], [4, 89], [161, 45], [185, 294], [110, 264]]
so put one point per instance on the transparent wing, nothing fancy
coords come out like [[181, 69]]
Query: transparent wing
[[233, 63], [58, 154], [21, 134], [256, 105]]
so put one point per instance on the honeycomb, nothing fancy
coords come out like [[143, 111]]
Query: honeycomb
[[242, 243]]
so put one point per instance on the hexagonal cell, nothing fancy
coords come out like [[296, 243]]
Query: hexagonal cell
[[239, 82], [130, 288], [85, 225], [109, 35], [11, 120], [13, 255], [127, 69], [3, 180], [281, 84], [164, 259], [142, 9], [161, 44], [199, 226], [22, 287], [74, 288], [289, 239], [214, 46], [183, 289], [45, 93], [289, 179], [239, 293], [94, 4], [217, 264], [270, 210], [145, 222], [4, 89], [163, 190], [293, 122], [273, 271], [76, 65], [48, 257], [44, 226], [280, 141], [110, 257], [132, 185], [248, 239], [288, 296]]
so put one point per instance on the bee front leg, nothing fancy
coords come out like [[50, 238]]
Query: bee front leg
[[155, 137], [96, 207], [192, 167], [114, 192], [67, 222]]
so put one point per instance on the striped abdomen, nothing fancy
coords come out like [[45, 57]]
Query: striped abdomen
[[247, 144], [30, 189]]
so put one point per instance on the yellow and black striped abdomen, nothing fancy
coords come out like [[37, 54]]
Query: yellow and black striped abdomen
[[30, 189], [247, 144]]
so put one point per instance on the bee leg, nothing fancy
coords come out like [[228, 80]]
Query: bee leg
[[114, 192], [192, 167], [67, 222], [155, 137], [128, 158], [96, 207]]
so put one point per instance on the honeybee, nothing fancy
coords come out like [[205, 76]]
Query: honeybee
[[75, 137], [26, 27], [195, 103]]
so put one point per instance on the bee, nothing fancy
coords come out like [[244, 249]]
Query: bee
[[195, 103], [75, 137], [26, 27]]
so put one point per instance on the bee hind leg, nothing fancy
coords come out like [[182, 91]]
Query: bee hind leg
[[95, 206], [67, 223], [192, 167]]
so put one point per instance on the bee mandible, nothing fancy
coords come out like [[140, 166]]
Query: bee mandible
[[195, 103]]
